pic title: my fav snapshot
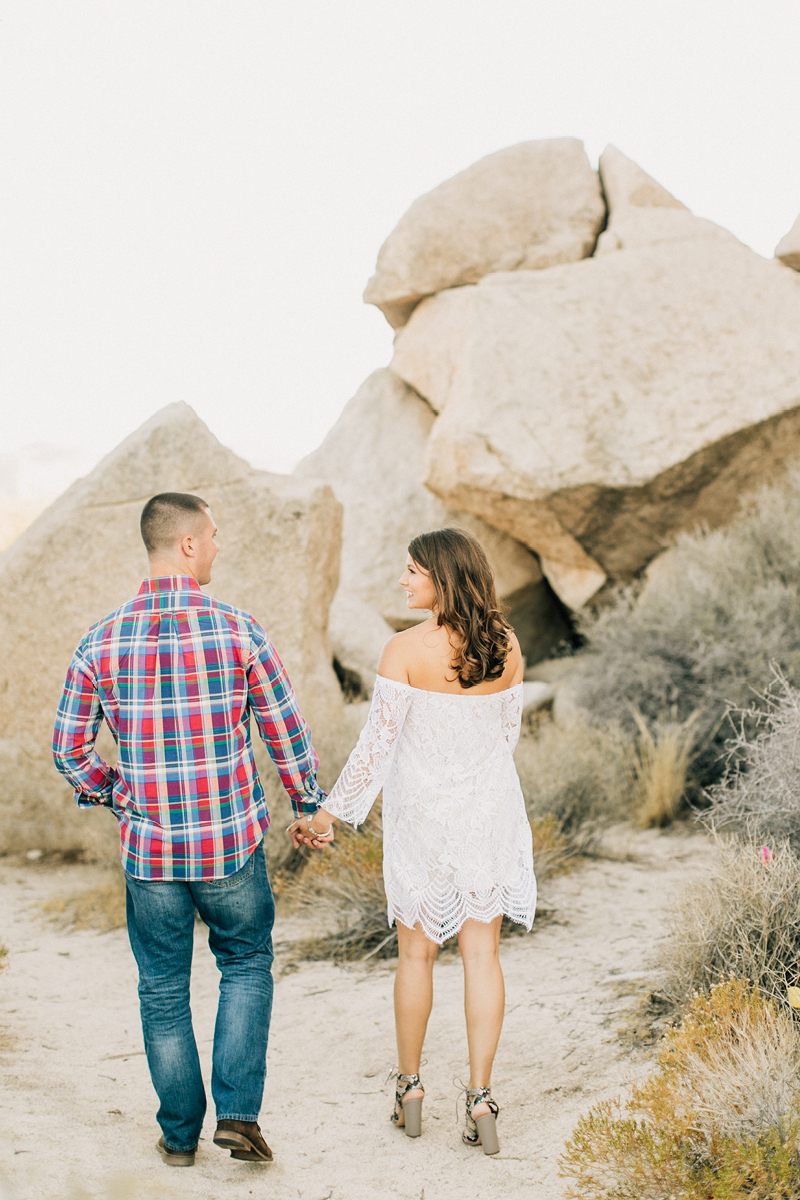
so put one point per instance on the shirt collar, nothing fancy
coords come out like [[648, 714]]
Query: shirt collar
[[170, 583]]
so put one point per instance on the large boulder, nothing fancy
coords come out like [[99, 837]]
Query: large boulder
[[358, 635], [83, 557], [520, 209], [788, 248], [641, 212], [372, 458], [593, 409]]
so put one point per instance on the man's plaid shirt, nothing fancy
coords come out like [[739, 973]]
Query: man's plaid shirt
[[176, 675]]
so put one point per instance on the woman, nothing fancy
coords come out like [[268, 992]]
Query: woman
[[458, 854]]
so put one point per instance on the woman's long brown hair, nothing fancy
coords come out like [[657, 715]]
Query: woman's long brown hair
[[466, 602]]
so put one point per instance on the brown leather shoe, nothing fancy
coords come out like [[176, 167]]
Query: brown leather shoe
[[175, 1158], [243, 1139]]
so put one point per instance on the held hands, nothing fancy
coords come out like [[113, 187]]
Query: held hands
[[314, 830]]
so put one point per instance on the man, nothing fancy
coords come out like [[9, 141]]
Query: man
[[176, 676]]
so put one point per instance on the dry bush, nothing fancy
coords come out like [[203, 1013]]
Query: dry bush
[[579, 777], [703, 633], [576, 781], [552, 851], [3, 955], [719, 1116], [759, 796], [742, 919], [101, 907], [346, 881], [661, 763]]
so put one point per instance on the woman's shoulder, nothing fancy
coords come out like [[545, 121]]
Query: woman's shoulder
[[515, 663], [398, 652]]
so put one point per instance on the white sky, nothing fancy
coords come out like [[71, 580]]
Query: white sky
[[193, 193]]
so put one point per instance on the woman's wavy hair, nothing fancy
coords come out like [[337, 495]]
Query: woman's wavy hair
[[466, 602]]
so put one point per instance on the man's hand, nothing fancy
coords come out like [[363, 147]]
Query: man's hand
[[301, 835]]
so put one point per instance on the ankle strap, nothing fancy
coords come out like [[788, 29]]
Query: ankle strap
[[481, 1095], [405, 1083]]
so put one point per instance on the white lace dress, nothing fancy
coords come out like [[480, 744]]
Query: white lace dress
[[456, 839]]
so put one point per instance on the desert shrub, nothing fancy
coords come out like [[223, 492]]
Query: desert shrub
[[742, 918], [345, 882], [703, 632], [661, 761], [759, 796], [718, 1117], [580, 777], [101, 907]]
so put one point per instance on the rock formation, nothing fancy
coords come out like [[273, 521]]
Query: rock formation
[[788, 248], [523, 208], [372, 458], [642, 212], [83, 557], [593, 409]]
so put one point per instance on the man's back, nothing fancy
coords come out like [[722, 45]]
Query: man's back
[[176, 675]]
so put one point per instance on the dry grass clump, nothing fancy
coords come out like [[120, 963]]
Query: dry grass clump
[[760, 794], [3, 955], [579, 777], [346, 880], [742, 919], [719, 1116], [704, 631], [661, 762], [101, 907]]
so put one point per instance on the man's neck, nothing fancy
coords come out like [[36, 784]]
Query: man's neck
[[161, 568]]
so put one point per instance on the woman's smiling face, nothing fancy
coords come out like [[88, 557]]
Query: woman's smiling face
[[420, 592]]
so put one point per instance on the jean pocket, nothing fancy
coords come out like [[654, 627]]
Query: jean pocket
[[244, 873]]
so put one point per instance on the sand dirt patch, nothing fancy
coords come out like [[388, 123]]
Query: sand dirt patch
[[78, 1110]]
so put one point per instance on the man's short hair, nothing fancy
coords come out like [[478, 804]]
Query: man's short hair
[[165, 519]]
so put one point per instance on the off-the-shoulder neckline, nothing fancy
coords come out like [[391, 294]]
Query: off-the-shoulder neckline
[[455, 695]]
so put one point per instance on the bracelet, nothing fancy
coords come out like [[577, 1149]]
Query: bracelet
[[313, 831]]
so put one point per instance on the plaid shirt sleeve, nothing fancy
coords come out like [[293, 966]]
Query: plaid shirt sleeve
[[285, 733], [77, 723]]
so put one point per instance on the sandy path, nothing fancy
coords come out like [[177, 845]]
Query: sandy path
[[78, 1108]]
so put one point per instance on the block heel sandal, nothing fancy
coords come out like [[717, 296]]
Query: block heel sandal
[[407, 1114], [482, 1131]]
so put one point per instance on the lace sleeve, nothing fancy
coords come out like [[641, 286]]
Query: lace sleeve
[[366, 769], [512, 716]]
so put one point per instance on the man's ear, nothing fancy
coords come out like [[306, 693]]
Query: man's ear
[[187, 546]]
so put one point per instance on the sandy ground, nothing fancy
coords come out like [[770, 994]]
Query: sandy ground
[[78, 1108]]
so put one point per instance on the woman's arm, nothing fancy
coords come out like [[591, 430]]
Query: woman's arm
[[367, 767], [392, 666]]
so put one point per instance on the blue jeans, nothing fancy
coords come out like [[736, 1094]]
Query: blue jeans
[[239, 912]]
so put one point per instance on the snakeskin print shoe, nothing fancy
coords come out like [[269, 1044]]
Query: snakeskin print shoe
[[482, 1131], [408, 1113]]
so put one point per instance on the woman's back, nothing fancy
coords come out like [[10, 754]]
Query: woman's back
[[423, 657], [457, 846]]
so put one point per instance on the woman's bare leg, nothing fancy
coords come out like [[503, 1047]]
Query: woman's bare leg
[[484, 998], [413, 997]]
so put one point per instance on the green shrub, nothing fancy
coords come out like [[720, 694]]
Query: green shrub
[[701, 635], [718, 1118], [741, 919]]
